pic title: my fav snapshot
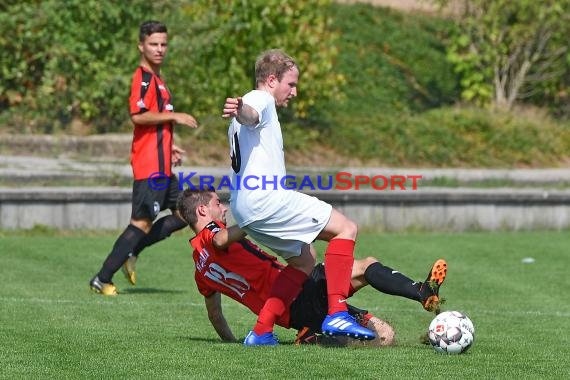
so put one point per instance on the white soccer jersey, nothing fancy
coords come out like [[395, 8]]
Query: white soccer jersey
[[257, 161]]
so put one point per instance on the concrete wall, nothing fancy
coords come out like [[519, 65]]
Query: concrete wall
[[66, 208], [424, 209]]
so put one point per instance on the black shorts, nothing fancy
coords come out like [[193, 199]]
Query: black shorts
[[148, 201], [311, 306]]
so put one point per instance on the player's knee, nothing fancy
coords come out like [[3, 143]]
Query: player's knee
[[142, 224], [361, 265], [350, 229], [367, 261]]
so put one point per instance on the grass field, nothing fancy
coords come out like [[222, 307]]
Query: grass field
[[52, 326]]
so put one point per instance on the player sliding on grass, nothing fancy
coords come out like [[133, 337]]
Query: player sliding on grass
[[227, 263]]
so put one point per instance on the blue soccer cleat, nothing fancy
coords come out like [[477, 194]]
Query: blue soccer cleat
[[267, 339], [343, 324]]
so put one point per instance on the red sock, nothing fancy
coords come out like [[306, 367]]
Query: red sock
[[339, 258], [286, 288]]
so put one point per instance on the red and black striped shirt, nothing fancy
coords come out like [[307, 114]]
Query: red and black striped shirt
[[243, 272], [152, 144]]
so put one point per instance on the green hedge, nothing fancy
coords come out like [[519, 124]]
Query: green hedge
[[66, 63], [393, 62], [398, 94], [451, 137]]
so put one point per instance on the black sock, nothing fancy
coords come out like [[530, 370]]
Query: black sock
[[391, 282], [161, 229], [124, 245]]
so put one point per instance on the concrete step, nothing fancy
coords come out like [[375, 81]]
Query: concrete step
[[22, 169]]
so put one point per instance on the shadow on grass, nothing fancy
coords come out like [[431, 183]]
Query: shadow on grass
[[152, 291], [205, 340]]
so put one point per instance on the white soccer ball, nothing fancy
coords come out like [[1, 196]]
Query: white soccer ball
[[451, 332]]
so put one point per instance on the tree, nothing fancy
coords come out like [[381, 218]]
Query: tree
[[62, 62], [72, 61], [510, 50]]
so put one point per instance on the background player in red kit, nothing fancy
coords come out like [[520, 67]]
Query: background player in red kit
[[153, 151], [227, 263]]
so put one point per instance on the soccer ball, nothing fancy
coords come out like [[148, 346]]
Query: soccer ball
[[451, 332]]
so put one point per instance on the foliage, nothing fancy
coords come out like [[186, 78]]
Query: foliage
[[389, 62], [368, 75], [507, 51], [61, 64], [451, 137], [396, 70], [218, 43], [393, 62]]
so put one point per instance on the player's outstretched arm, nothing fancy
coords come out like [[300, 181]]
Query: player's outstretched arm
[[217, 319], [244, 114], [227, 236]]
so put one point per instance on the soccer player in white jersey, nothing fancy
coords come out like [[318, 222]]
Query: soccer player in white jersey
[[284, 220]]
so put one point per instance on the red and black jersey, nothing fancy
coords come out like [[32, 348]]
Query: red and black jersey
[[152, 144], [242, 272]]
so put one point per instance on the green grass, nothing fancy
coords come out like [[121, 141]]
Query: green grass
[[52, 326]]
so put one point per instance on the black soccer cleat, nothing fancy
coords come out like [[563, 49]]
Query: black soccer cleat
[[429, 290]]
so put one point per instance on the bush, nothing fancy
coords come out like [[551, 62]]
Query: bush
[[217, 44], [393, 62], [73, 63], [375, 82], [452, 137]]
